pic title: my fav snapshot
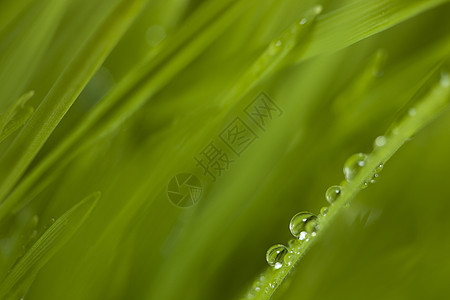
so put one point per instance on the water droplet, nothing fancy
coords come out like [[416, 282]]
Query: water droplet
[[292, 243], [275, 255], [324, 211], [379, 62], [353, 165], [380, 141], [274, 47], [35, 220], [333, 193], [317, 9], [395, 131], [289, 258], [303, 224], [256, 287], [379, 168], [375, 176], [412, 112], [311, 14], [445, 80]]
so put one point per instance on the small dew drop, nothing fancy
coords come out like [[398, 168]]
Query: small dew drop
[[35, 220], [333, 193], [273, 284], [353, 165], [303, 223], [380, 141], [375, 176], [289, 258], [292, 243], [318, 9], [274, 47], [324, 211], [275, 255], [395, 131], [412, 112], [445, 80], [379, 168]]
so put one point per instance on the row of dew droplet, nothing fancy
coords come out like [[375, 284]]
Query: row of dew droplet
[[304, 225]]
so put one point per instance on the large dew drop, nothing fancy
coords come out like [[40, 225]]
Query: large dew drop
[[275, 255], [303, 224], [353, 165], [333, 193]]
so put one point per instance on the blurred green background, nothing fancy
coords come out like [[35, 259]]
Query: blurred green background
[[193, 65]]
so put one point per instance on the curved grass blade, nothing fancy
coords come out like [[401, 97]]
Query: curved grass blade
[[63, 93], [425, 110], [47, 245]]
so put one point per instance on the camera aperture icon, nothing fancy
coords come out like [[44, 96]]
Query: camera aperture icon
[[184, 190]]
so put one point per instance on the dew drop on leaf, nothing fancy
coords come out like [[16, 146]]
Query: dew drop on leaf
[[324, 211], [275, 255], [412, 112], [445, 79], [379, 141], [376, 175], [302, 224], [333, 193], [353, 165]]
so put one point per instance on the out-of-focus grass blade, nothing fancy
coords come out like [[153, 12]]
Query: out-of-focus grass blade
[[360, 19], [9, 10], [137, 89], [23, 43], [64, 92], [16, 115], [47, 245]]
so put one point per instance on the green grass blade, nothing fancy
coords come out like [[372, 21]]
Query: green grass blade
[[425, 110], [131, 94], [361, 19], [23, 46], [48, 244], [63, 93]]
